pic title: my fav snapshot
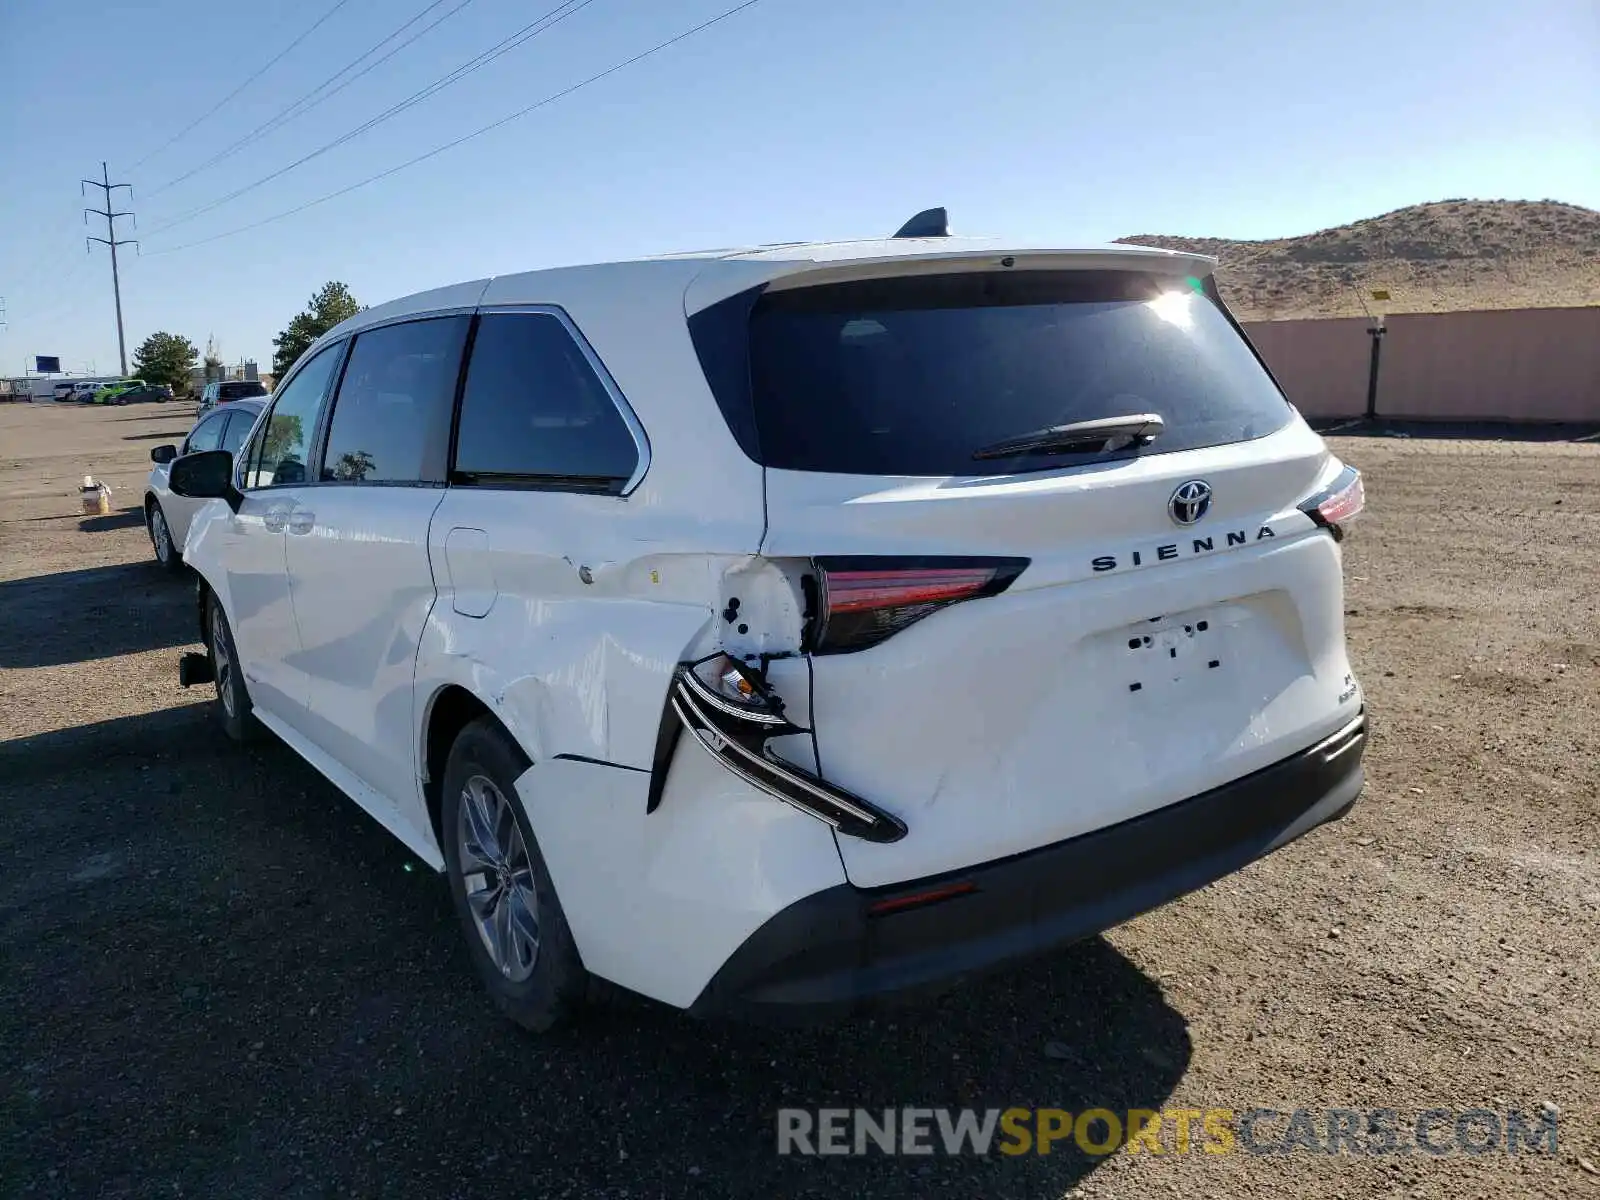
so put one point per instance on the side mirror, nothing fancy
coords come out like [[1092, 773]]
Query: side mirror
[[163, 454], [205, 475]]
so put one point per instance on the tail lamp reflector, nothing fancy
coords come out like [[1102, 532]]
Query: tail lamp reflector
[[1339, 504], [918, 899], [864, 600], [856, 591]]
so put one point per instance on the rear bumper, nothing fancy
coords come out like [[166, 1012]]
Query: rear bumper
[[828, 954]]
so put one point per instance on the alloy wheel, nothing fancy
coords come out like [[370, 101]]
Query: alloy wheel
[[161, 536], [497, 875], [222, 658]]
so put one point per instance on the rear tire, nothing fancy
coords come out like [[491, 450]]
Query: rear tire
[[161, 538], [516, 931], [233, 708]]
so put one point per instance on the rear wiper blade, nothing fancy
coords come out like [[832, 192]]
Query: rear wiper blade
[[1136, 429]]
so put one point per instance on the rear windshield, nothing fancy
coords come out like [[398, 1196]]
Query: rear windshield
[[238, 391], [910, 376]]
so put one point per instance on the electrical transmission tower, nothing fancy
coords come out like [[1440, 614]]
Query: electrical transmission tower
[[107, 187]]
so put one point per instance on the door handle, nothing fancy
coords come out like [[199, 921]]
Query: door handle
[[274, 518], [301, 521]]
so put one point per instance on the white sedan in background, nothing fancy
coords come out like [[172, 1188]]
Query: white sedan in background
[[166, 515]]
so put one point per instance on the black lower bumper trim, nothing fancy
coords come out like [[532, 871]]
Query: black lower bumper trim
[[828, 954]]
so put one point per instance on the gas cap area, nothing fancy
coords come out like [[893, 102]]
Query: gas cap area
[[761, 608]]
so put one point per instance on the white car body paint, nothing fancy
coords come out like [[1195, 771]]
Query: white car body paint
[[658, 902], [993, 727], [179, 511], [1051, 653], [359, 574], [242, 558]]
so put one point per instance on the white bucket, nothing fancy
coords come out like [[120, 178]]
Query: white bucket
[[96, 497]]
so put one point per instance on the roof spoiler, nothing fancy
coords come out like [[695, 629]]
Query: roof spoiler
[[930, 222]]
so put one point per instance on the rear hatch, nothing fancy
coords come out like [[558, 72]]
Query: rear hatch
[[1007, 652]]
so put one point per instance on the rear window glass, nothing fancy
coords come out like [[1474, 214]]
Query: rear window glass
[[238, 391], [534, 409], [239, 425], [910, 376], [391, 418]]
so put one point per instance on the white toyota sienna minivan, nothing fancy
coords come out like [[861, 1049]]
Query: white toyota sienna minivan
[[775, 631]]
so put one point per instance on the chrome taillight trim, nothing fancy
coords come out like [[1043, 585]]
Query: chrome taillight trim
[[698, 687], [744, 753], [781, 770], [701, 741]]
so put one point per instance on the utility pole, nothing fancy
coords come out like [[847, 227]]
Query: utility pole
[[1376, 332], [107, 187]]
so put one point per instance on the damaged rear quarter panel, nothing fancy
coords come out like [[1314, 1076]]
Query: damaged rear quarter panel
[[571, 668], [565, 612]]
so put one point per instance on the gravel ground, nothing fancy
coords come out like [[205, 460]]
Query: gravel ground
[[217, 978]]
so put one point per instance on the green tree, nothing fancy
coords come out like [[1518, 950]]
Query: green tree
[[352, 465], [284, 447], [165, 358], [332, 303]]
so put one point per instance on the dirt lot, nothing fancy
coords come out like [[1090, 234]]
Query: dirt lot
[[218, 979]]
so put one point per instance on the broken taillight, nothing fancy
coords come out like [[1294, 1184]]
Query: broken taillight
[[733, 688], [863, 600], [1338, 504]]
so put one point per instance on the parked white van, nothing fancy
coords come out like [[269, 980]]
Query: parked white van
[[772, 631]]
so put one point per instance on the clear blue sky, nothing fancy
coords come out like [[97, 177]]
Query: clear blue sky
[[1050, 120]]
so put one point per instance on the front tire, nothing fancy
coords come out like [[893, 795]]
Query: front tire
[[516, 931], [233, 708], [161, 538]]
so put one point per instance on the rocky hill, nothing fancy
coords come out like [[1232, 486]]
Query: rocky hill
[[1453, 254]]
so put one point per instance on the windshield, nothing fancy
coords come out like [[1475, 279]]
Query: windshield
[[912, 375]]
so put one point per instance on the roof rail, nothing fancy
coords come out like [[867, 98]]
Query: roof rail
[[930, 222]]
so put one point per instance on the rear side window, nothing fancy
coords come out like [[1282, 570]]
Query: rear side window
[[911, 376], [240, 423], [205, 436], [535, 412], [391, 418], [279, 455]]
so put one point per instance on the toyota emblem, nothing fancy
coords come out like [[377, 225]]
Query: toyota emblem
[[1190, 501]]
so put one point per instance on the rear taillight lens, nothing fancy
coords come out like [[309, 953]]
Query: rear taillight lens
[[862, 600], [1337, 505]]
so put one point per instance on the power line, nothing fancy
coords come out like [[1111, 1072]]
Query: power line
[[317, 24], [305, 103], [450, 145], [43, 266], [62, 302], [527, 32]]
